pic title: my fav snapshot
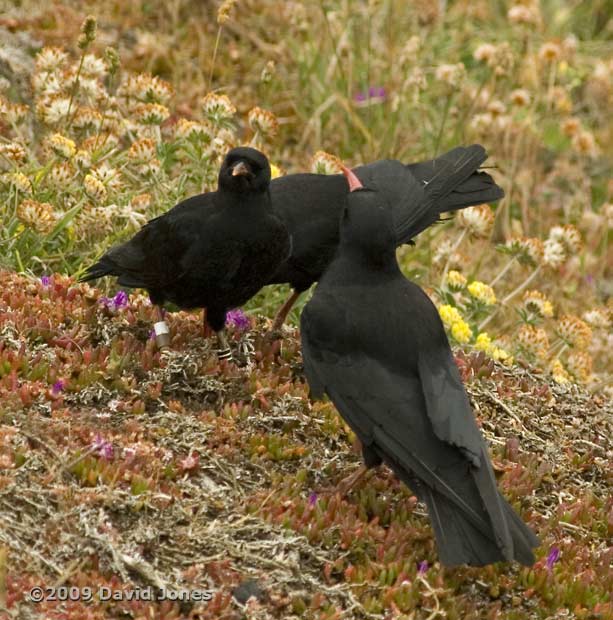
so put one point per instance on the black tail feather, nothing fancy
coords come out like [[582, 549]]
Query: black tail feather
[[460, 542], [453, 181]]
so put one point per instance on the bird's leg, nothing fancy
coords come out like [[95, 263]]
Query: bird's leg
[[160, 327], [206, 328], [224, 352], [284, 311], [347, 484]]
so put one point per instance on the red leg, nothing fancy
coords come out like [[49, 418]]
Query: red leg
[[284, 311]]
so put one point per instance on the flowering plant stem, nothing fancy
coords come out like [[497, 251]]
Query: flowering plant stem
[[510, 296]]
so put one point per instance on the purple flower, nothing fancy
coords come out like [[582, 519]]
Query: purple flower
[[238, 319], [58, 386], [552, 557], [46, 281], [422, 567], [119, 302], [375, 94], [102, 447], [152, 334], [312, 499]]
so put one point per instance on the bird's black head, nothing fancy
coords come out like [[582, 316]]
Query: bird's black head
[[367, 225], [244, 170]]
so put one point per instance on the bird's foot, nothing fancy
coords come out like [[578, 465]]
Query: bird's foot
[[346, 485], [273, 335]]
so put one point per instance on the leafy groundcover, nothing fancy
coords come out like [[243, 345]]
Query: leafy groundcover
[[124, 468]]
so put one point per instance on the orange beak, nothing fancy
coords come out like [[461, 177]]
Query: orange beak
[[352, 179]]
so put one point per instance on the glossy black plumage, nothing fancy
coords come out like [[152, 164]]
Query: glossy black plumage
[[311, 205], [215, 250], [373, 341]]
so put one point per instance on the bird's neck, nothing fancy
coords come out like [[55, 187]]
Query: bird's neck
[[248, 201], [358, 262]]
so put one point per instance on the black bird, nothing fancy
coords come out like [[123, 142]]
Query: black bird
[[374, 343], [213, 251], [311, 206]]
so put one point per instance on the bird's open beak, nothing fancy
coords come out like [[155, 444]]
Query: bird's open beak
[[352, 179], [241, 170]]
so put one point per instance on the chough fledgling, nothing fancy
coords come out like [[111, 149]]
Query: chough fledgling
[[212, 251], [311, 206], [373, 341]]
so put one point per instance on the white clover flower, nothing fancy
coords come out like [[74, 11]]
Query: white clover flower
[[93, 67], [451, 75], [52, 110], [478, 221], [535, 301], [109, 176], [325, 163], [485, 52], [568, 236], [520, 97], [263, 121], [554, 254], [87, 118], [61, 175], [50, 59], [550, 52], [574, 331], [598, 318], [151, 113], [185, 130], [142, 150], [37, 215], [217, 108]]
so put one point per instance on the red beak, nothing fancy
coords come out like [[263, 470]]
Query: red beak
[[352, 179]]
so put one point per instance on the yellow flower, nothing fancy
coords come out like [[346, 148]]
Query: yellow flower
[[461, 332], [558, 372], [483, 342], [275, 171], [20, 181], [580, 365], [482, 292], [535, 301], [61, 145], [449, 315], [455, 280], [38, 215], [500, 355], [94, 188]]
